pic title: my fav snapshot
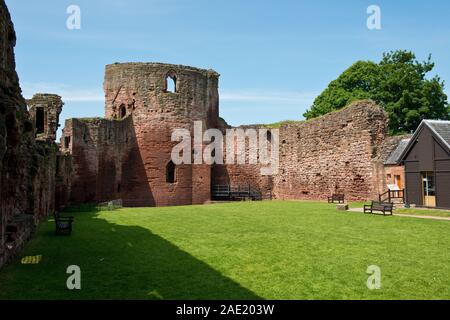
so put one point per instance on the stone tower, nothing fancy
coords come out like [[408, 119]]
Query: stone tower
[[127, 155], [44, 110], [158, 98]]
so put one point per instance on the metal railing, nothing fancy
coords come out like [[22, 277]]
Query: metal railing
[[390, 195], [228, 192]]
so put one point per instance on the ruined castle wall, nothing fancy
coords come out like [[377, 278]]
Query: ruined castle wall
[[335, 153], [99, 149], [243, 175], [42, 197], [51, 106], [342, 152], [140, 89], [63, 180], [27, 166], [15, 136]]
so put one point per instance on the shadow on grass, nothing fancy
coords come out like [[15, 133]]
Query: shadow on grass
[[117, 262]]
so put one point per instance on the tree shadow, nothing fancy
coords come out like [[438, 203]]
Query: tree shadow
[[125, 262]]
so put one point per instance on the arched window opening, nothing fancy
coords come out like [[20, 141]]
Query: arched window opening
[[171, 172], [66, 142], [269, 136], [122, 111], [171, 82], [40, 120]]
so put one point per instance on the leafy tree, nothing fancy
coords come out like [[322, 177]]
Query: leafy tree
[[398, 83]]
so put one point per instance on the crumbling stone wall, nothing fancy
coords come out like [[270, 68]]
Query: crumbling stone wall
[[63, 180], [51, 106], [27, 166], [335, 153], [141, 115], [242, 175], [99, 149], [341, 152], [16, 142], [142, 89]]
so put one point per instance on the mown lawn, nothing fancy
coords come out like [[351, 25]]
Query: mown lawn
[[424, 212], [265, 250]]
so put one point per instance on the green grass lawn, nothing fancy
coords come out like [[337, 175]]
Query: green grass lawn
[[424, 212], [248, 250]]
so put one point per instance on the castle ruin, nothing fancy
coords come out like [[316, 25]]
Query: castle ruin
[[34, 175], [127, 154]]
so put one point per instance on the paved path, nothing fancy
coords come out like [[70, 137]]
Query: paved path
[[360, 210]]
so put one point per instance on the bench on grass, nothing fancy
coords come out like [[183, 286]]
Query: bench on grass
[[384, 207], [339, 198], [63, 224]]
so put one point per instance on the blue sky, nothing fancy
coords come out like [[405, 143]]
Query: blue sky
[[274, 57]]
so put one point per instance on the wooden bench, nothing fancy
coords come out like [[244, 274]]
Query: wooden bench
[[383, 207], [63, 224], [339, 198]]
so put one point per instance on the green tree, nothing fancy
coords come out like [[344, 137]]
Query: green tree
[[398, 83]]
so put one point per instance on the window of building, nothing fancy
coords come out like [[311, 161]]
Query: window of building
[[171, 82], [398, 181], [66, 142], [122, 111], [269, 136], [171, 172], [40, 120]]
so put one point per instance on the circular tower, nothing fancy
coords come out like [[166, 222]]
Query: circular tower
[[155, 99]]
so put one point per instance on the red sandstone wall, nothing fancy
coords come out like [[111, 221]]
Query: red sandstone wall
[[98, 148], [16, 141], [333, 153], [338, 152], [242, 175], [155, 113], [27, 167], [63, 180]]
